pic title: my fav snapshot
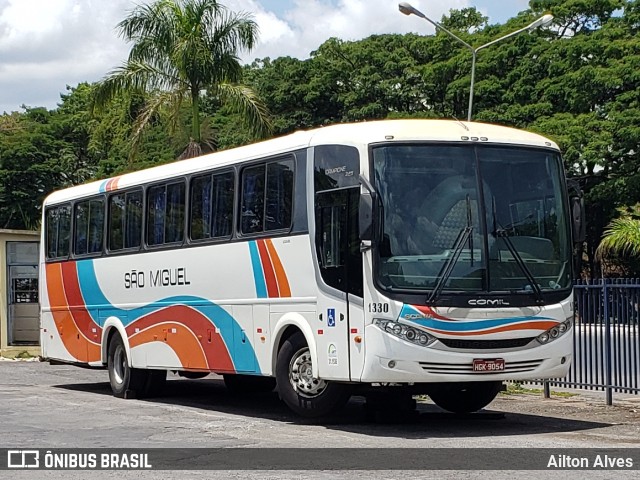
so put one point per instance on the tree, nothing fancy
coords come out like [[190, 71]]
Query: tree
[[621, 240], [182, 48], [622, 235], [574, 16], [29, 166], [465, 20]]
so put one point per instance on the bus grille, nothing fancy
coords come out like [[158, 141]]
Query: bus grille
[[467, 368], [485, 344]]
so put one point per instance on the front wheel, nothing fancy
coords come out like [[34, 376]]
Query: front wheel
[[465, 397], [305, 395]]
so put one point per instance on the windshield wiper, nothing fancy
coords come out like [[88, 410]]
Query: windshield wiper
[[503, 234], [445, 272], [447, 268]]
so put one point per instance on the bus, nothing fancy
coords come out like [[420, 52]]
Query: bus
[[420, 256]]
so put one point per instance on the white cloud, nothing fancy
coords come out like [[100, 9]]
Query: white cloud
[[306, 24], [48, 44]]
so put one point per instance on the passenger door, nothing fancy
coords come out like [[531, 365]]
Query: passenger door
[[340, 266]]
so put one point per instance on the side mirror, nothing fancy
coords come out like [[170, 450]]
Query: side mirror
[[578, 221], [365, 216]]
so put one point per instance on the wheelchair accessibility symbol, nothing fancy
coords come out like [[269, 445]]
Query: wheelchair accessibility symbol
[[331, 317]]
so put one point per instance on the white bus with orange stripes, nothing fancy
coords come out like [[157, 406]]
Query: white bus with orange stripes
[[426, 256]]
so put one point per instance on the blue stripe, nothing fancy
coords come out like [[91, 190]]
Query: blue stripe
[[465, 325], [103, 186], [258, 274], [241, 354]]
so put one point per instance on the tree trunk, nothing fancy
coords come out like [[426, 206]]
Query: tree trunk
[[193, 150], [195, 115]]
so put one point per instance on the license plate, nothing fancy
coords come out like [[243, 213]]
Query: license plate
[[484, 365]]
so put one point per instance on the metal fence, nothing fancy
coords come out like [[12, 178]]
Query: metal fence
[[606, 338]]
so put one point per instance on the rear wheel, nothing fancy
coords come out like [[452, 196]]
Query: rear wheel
[[304, 394], [249, 383], [465, 397], [127, 382], [124, 379]]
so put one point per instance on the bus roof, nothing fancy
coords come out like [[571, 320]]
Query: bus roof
[[357, 134]]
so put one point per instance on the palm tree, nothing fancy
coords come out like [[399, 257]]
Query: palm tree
[[182, 49], [622, 235]]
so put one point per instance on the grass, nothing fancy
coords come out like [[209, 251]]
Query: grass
[[516, 388], [24, 354]]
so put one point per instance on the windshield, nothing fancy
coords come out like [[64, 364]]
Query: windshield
[[484, 218]]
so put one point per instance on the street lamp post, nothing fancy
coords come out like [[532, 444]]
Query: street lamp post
[[408, 9]]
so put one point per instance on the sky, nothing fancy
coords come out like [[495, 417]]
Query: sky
[[46, 45]]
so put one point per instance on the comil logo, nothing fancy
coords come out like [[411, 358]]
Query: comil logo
[[23, 459], [483, 302]]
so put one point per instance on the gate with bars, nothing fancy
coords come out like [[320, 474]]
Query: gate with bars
[[606, 338]]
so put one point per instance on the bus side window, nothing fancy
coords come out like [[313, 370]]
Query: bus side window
[[88, 227], [267, 197], [133, 220], [331, 236], [279, 195], [165, 213], [211, 206], [125, 221], [252, 212], [58, 226]]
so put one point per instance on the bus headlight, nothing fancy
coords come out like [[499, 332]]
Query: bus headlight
[[405, 332], [554, 332]]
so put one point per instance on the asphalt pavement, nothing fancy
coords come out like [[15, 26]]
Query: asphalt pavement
[[52, 407]]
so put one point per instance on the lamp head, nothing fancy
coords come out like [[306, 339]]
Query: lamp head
[[405, 8], [541, 22], [408, 9]]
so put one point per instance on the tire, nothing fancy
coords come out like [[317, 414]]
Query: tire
[[465, 397], [249, 383], [306, 396], [156, 380], [126, 382]]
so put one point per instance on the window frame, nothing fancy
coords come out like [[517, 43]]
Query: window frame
[[110, 251], [58, 258], [234, 203], [146, 205], [74, 243], [289, 157]]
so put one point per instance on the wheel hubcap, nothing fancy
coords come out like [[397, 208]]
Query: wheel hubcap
[[301, 375]]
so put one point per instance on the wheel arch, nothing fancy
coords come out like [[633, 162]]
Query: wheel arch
[[285, 327], [113, 326]]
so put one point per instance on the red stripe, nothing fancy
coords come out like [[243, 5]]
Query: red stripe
[[77, 307], [267, 267], [429, 312], [76, 343], [216, 352], [281, 276], [536, 325], [112, 184]]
